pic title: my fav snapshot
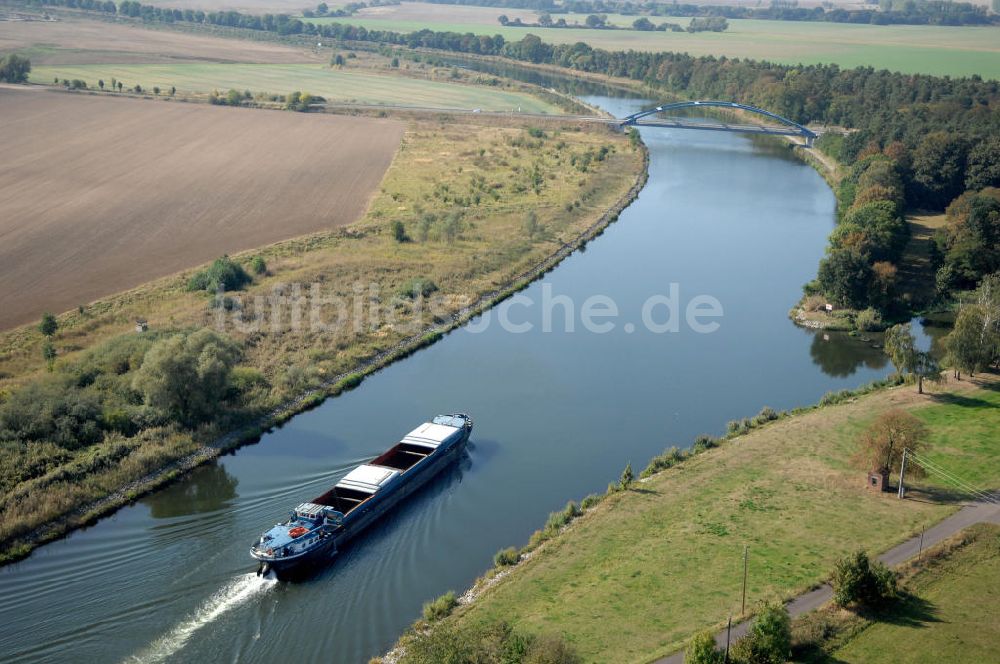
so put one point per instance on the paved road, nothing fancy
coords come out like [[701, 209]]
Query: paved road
[[969, 515]]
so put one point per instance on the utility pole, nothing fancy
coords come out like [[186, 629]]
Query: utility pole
[[902, 469], [746, 555]]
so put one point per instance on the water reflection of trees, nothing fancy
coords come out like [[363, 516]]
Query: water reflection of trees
[[840, 356], [205, 489]]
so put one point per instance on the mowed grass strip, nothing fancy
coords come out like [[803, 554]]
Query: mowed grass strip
[[938, 50], [333, 84], [964, 428], [949, 614], [643, 571]]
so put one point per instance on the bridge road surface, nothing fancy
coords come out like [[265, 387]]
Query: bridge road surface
[[971, 514]]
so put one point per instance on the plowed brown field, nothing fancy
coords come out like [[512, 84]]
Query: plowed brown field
[[82, 41], [100, 195]]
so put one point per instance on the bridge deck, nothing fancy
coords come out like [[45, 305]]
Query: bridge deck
[[719, 126]]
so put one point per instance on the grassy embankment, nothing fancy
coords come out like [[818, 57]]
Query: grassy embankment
[[947, 611], [938, 50], [476, 178], [643, 570]]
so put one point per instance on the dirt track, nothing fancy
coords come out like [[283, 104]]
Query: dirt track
[[99, 195]]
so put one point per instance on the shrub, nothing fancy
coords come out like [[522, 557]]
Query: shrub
[[350, 381], [859, 581], [244, 379], [668, 459], [555, 521], [704, 442], [868, 320], [590, 501], [49, 353], [185, 376], [258, 265], [813, 302], [739, 427], [441, 607], [48, 326], [769, 640], [832, 398], [399, 232], [625, 481], [506, 557], [417, 287], [772, 630], [223, 273], [766, 414], [702, 650], [52, 410], [549, 649]]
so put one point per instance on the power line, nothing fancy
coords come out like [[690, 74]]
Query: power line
[[936, 468], [948, 476], [953, 479]]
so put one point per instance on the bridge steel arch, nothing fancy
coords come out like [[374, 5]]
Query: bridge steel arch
[[789, 127]]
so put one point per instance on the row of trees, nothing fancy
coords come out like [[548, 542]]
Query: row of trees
[[898, 12], [859, 270], [600, 22], [974, 343]]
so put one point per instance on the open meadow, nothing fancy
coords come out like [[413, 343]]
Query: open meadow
[[645, 569], [336, 85], [100, 195], [198, 64], [940, 50]]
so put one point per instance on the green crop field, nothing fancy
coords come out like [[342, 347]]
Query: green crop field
[[640, 573], [333, 84], [940, 50]]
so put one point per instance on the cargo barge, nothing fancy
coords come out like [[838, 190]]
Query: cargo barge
[[315, 530]]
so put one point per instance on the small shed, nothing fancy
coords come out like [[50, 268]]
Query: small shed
[[878, 481], [141, 325], [828, 307]]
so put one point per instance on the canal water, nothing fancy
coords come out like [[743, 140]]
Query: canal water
[[558, 415]]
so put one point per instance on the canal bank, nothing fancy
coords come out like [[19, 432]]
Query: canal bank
[[331, 387], [555, 410]]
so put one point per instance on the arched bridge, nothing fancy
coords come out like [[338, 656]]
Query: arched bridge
[[784, 126]]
